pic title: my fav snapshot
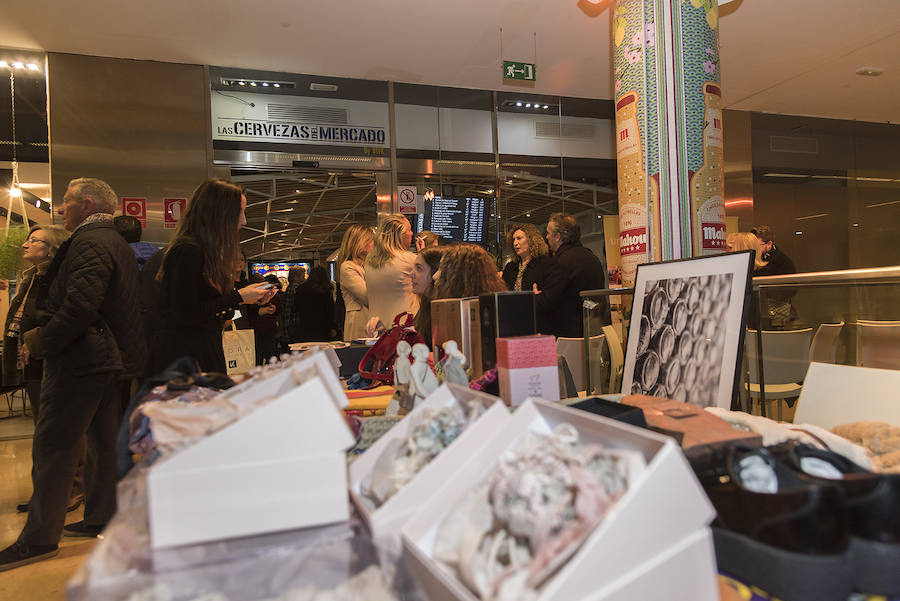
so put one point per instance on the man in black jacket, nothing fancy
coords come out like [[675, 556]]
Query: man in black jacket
[[777, 263], [572, 268], [90, 337]]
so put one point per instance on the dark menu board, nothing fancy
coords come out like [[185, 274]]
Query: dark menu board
[[460, 219]]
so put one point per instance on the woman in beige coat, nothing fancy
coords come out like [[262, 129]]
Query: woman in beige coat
[[389, 271], [355, 246]]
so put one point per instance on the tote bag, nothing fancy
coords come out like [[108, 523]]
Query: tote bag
[[240, 350]]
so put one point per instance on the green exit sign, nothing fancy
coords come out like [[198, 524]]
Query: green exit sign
[[516, 70]]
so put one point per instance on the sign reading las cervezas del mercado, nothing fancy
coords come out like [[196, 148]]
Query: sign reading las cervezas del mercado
[[309, 133]]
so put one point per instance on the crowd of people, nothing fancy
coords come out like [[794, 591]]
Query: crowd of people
[[97, 310]]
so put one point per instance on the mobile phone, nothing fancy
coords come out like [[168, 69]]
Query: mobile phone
[[267, 286]]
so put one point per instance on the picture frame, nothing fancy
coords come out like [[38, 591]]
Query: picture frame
[[686, 336]]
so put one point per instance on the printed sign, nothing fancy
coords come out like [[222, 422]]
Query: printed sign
[[173, 209], [137, 208], [517, 70], [406, 199], [299, 132]]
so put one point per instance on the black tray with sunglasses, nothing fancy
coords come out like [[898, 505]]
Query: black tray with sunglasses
[[617, 411]]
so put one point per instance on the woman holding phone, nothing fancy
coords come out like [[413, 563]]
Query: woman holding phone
[[197, 293]]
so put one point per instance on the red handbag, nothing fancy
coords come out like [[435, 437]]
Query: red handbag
[[378, 362]]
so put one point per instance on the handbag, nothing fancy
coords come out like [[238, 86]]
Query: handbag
[[240, 350], [378, 362]]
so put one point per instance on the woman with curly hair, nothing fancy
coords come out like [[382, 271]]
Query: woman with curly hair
[[531, 254], [466, 270], [389, 271]]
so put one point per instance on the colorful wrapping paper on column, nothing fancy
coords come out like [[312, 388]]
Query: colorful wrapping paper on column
[[668, 130]]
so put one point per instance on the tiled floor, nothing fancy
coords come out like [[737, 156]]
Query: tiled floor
[[45, 580]]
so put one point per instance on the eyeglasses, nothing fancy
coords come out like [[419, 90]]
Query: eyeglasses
[[33, 240]]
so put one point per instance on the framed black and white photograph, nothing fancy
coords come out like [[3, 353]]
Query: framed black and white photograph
[[687, 329]]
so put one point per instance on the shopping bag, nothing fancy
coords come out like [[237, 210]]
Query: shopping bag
[[240, 350], [378, 362]]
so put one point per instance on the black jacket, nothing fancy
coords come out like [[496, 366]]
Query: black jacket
[[315, 310], [191, 313], [89, 306], [534, 273], [572, 268], [777, 263]]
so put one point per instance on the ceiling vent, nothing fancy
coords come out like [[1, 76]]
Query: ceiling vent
[[307, 114], [568, 131], [794, 144]]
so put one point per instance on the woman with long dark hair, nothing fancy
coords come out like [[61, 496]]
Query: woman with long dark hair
[[428, 261], [314, 304], [197, 293]]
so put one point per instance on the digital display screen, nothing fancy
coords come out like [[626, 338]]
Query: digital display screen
[[462, 219], [279, 269]]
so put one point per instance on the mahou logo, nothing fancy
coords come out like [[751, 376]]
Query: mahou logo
[[633, 241], [713, 235]]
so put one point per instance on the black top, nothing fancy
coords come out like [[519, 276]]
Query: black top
[[35, 368], [315, 312], [88, 306], [572, 268], [534, 273], [191, 313], [777, 263]]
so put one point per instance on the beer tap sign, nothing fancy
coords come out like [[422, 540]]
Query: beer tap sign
[[669, 146]]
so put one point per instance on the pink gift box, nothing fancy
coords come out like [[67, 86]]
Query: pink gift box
[[517, 352]]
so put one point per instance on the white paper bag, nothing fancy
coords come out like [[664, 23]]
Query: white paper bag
[[240, 350]]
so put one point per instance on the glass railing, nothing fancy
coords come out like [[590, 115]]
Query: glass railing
[[849, 317]]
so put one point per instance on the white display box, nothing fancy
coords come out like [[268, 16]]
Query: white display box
[[664, 506], [839, 394], [250, 391], [279, 467], [385, 522], [518, 384]]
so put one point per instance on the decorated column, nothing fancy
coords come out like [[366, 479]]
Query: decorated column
[[668, 130]]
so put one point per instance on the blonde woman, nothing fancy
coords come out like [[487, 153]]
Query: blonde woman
[[389, 272], [355, 247], [746, 241]]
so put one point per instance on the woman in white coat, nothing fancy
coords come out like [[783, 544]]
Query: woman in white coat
[[389, 271], [355, 247]]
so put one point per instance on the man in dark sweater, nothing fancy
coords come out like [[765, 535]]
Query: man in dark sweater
[[777, 263], [90, 336], [571, 269]]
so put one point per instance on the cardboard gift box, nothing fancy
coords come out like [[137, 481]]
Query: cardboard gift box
[[457, 319], [280, 466], [526, 367], [658, 528], [385, 521]]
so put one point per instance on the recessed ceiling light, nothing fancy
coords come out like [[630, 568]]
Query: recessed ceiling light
[[276, 85], [870, 71], [855, 225], [528, 106], [31, 67], [253, 83], [4, 64], [265, 84], [798, 232], [18, 65], [240, 83], [517, 104], [546, 106]]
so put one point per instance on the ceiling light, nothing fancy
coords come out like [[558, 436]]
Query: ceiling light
[[855, 225], [873, 179], [519, 103], [528, 106], [870, 71], [240, 83], [31, 67], [799, 175], [816, 216], [37, 203], [528, 214], [323, 87], [296, 191], [253, 83], [276, 85], [15, 192], [798, 233], [265, 84], [546, 106], [883, 204], [18, 65], [4, 65]]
